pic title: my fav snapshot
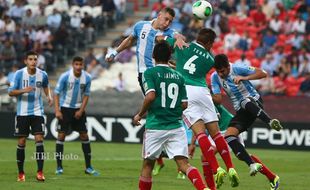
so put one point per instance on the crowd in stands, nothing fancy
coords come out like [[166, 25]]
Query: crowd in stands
[[271, 34], [55, 29]]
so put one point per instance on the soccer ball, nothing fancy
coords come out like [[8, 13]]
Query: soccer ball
[[202, 9]]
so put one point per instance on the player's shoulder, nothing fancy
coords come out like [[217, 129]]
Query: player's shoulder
[[214, 74], [44, 73], [141, 23], [87, 75]]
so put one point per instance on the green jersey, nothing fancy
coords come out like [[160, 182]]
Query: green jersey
[[165, 112], [225, 117], [193, 63]]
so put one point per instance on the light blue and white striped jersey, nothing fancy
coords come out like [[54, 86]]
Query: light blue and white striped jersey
[[71, 90], [30, 103], [236, 92], [145, 35]]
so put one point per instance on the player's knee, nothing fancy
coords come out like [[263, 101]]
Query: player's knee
[[84, 136], [61, 136], [22, 141], [38, 138]]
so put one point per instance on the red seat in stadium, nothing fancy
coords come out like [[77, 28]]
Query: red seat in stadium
[[255, 62], [250, 54]]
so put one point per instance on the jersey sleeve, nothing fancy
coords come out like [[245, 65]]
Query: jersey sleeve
[[244, 70], [215, 84], [136, 30], [148, 82], [45, 80], [60, 84], [15, 84], [88, 85]]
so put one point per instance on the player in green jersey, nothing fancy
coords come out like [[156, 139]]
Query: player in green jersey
[[164, 101], [194, 62]]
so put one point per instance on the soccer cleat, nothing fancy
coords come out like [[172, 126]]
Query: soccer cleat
[[180, 175], [254, 168], [274, 184], [233, 177], [91, 171], [40, 176], [21, 177], [157, 169], [219, 177], [206, 188], [59, 171], [275, 124]]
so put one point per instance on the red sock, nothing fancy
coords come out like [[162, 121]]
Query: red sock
[[145, 183], [223, 150], [207, 151], [265, 171], [207, 172], [160, 161], [195, 177]]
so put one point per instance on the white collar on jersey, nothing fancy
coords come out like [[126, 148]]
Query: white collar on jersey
[[162, 65], [195, 42]]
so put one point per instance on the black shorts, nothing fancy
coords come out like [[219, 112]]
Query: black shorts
[[141, 83], [69, 123], [26, 124], [243, 119]]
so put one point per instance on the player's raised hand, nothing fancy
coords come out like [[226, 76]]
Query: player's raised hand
[[110, 56], [180, 43], [136, 120]]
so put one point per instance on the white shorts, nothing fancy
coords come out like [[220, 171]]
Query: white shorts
[[200, 106], [173, 142]]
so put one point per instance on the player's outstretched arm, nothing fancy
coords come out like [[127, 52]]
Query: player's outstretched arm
[[127, 43], [258, 74]]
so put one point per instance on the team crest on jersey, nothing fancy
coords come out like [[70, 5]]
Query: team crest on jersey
[[82, 86], [38, 84], [252, 68]]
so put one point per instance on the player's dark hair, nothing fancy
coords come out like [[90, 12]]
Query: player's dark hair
[[29, 53], [162, 52], [77, 58], [206, 35], [169, 10], [221, 61]]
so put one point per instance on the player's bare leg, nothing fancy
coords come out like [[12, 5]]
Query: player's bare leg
[[191, 172], [20, 157], [145, 181]]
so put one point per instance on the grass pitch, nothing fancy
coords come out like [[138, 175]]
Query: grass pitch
[[120, 164]]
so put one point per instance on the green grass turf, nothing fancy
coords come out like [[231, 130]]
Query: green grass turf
[[120, 164]]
